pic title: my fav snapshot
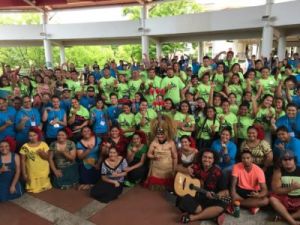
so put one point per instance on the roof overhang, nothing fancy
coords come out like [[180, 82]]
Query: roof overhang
[[49, 5]]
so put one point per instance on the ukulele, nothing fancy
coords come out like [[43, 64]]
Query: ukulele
[[186, 185]]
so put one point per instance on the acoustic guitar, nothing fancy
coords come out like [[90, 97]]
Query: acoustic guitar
[[186, 185]]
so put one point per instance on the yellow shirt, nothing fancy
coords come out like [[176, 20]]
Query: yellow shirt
[[37, 168]]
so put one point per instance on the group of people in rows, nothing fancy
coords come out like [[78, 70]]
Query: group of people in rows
[[237, 131]]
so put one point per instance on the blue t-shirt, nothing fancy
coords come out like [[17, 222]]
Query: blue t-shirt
[[296, 100], [34, 120], [9, 114], [87, 102], [293, 145], [93, 156], [292, 124], [66, 104], [195, 68], [231, 152], [99, 119], [97, 75], [52, 129], [113, 113]]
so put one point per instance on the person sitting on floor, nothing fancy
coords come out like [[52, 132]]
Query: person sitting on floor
[[205, 206], [285, 198], [249, 184], [113, 171]]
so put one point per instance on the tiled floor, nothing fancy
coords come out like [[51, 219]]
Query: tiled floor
[[71, 200], [11, 214], [137, 206]]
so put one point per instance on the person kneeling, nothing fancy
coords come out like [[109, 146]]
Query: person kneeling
[[205, 206], [249, 184]]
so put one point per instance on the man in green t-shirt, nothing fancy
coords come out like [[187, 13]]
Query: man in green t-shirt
[[173, 86], [106, 84], [151, 84]]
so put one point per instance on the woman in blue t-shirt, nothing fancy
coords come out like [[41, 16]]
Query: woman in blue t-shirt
[[99, 119], [227, 152]]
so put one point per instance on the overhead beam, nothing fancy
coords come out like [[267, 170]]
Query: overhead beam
[[34, 6]]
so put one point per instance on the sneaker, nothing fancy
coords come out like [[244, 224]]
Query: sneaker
[[221, 219], [254, 210]]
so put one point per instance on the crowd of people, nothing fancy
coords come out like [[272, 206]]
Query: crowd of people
[[101, 129]]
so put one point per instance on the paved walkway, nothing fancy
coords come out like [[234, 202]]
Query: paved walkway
[[136, 206]]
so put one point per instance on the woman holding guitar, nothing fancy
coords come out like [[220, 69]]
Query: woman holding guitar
[[205, 206]]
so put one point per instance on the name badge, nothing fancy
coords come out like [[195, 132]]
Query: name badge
[[56, 125], [102, 123], [33, 123]]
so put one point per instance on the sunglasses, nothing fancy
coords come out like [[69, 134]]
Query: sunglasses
[[288, 159]]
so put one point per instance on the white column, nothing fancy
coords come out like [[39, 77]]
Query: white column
[[267, 41], [200, 51], [267, 37], [62, 54], [145, 38], [158, 50], [281, 47], [47, 43]]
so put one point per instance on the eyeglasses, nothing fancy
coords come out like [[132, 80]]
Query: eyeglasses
[[26, 101], [288, 159]]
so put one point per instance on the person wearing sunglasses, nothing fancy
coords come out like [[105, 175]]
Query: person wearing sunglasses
[[285, 198]]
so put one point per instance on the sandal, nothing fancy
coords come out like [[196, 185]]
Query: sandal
[[185, 219]]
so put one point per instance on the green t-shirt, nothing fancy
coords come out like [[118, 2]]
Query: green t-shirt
[[242, 126], [122, 90], [219, 110], [204, 69], [107, 86], [150, 115], [144, 75], [234, 109], [229, 120], [219, 82], [264, 116], [268, 84], [81, 112], [205, 131], [156, 82], [174, 92], [127, 73], [182, 118], [25, 91], [229, 64], [138, 155], [170, 113], [204, 90], [236, 89], [134, 87], [182, 75], [126, 121]]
